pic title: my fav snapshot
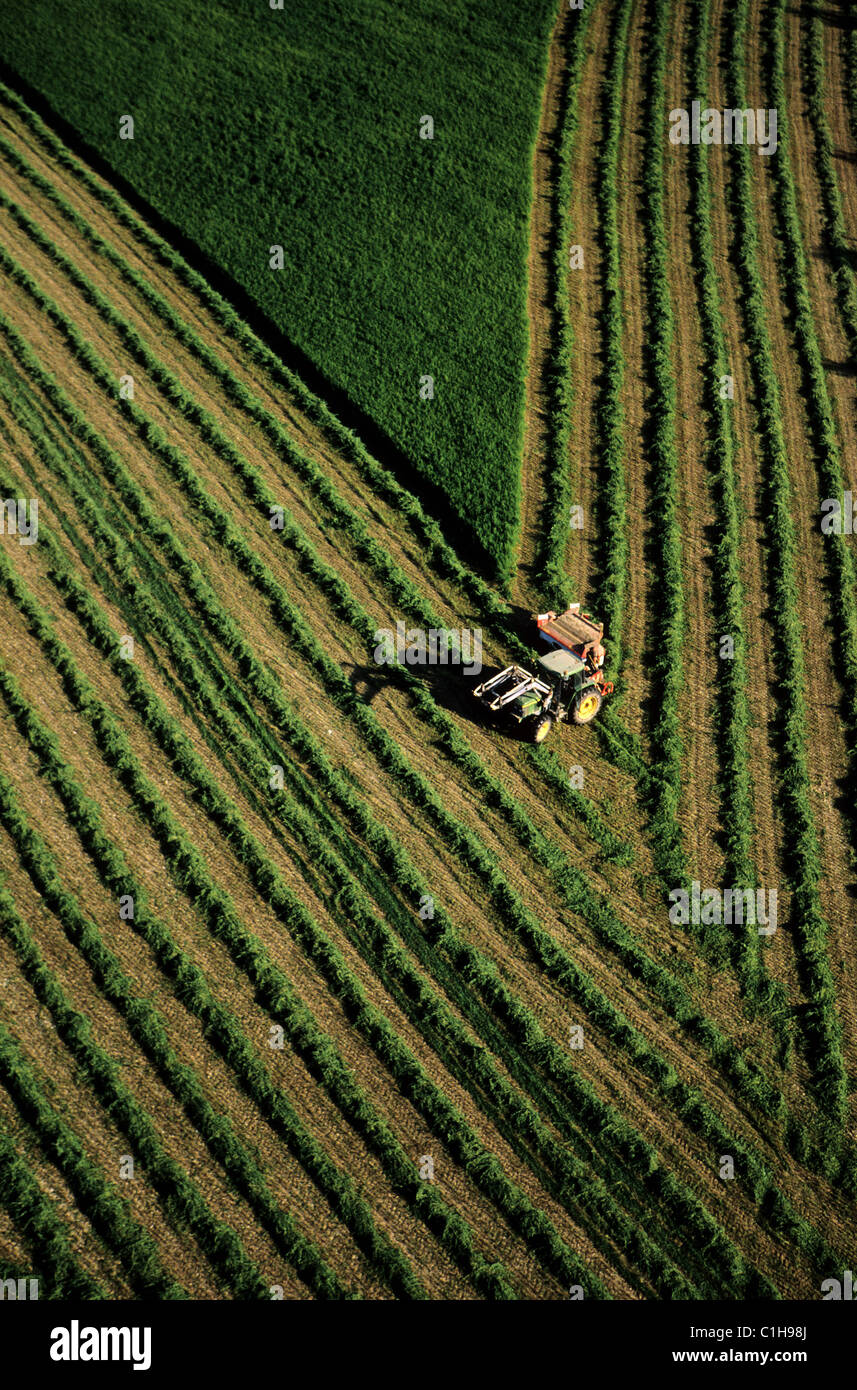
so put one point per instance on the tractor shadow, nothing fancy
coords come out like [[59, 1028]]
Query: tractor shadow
[[451, 687]]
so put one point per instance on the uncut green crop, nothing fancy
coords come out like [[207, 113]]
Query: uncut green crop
[[404, 257]]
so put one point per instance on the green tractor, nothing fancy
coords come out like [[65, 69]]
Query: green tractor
[[568, 687]]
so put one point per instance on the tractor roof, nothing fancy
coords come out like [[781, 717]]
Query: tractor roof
[[561, 663]]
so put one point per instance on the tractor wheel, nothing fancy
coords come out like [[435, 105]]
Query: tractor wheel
[[542, 727], [587, 705]]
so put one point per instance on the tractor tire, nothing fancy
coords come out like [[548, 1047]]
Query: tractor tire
[[541, 728], [586, 705]]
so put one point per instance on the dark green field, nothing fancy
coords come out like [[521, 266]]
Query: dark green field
[[417, 248]]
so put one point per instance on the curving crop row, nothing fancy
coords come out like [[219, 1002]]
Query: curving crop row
[[839, 556], [445, 956], [193, 878], [821, 1023], [835, 230], [303, 640], [42, 1233]]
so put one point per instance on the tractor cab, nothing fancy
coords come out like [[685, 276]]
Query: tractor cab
[[575, 692], [560, 667], [552, 686]]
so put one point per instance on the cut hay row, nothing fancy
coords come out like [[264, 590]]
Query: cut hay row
[[836, 231], [445, 957], [612, 573], [550, 570], [668, 623], [849, 48], [839, 555]]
